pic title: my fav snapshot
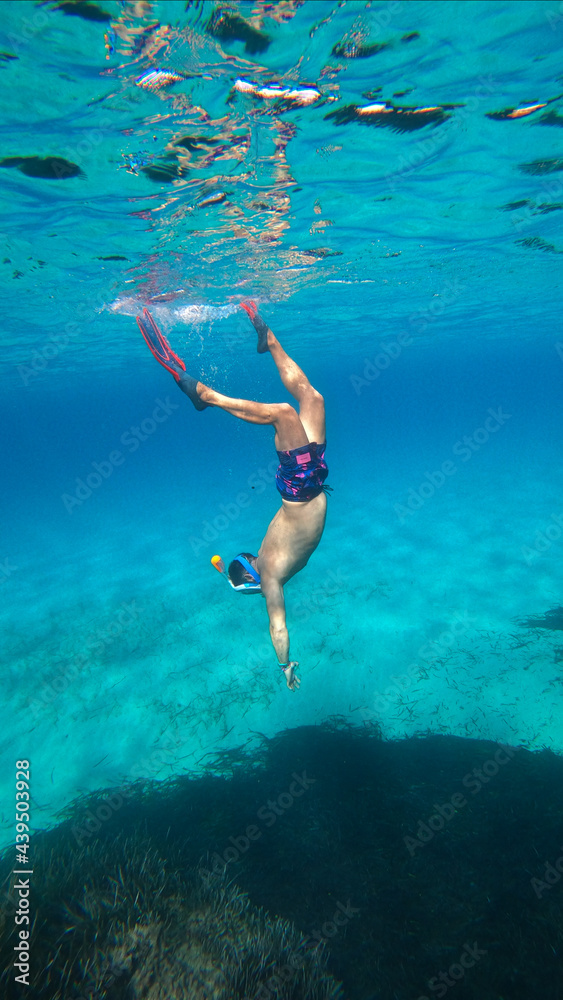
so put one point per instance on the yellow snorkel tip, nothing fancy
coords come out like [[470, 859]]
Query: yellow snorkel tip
[[218, 563]]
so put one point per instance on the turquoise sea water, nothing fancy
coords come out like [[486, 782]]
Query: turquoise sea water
[[408, 260]]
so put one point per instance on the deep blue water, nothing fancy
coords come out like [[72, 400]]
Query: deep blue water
[[430, 249]]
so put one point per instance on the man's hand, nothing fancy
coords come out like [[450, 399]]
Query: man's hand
[[293, 681]]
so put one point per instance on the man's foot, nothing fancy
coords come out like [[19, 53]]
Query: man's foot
[[188, 384], [259, 325], [161, 350]]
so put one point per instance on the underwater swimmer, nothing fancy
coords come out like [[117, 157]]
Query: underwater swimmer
[[296, 529]]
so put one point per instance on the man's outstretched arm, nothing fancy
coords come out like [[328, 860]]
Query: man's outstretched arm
[[275, 603]]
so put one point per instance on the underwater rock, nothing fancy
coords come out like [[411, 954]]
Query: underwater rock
[[52, 168]]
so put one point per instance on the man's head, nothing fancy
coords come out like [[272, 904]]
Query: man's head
[[243, 574]]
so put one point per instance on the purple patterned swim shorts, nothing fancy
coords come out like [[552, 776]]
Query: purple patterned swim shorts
[[302, 472]]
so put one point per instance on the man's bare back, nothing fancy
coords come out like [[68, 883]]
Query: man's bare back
[[291, 538]]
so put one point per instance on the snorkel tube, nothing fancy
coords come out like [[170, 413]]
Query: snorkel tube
[[243, 588]]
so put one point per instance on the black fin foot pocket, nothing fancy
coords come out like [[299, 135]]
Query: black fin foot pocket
[[188, 385]]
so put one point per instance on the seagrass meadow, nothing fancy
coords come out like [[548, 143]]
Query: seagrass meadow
[[170, 890]]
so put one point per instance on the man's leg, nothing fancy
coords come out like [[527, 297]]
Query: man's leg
[[289, 429], [311, 403], [290, 432]]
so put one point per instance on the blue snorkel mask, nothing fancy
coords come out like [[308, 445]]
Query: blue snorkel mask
[[243, 588]]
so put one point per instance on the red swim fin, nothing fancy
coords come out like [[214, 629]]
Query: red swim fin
[[159, 346]]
